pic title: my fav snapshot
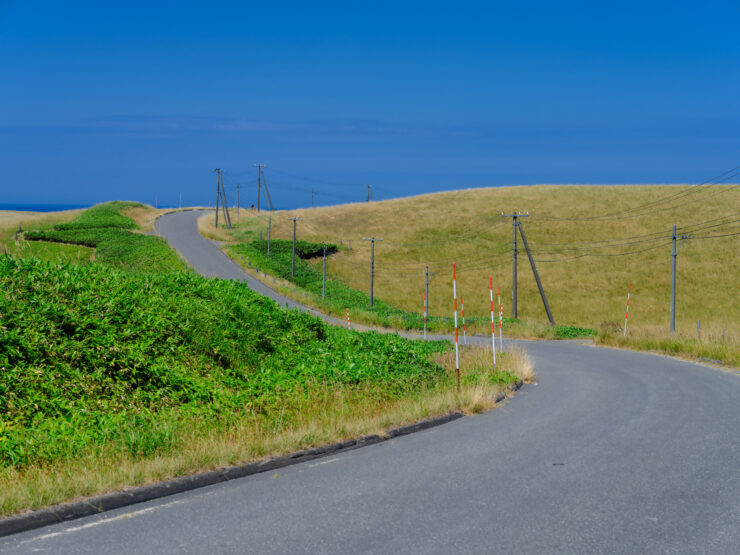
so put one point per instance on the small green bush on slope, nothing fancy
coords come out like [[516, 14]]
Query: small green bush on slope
[[104, 228], [95, 358]]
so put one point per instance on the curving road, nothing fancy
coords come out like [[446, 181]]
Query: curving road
[[613, 451]]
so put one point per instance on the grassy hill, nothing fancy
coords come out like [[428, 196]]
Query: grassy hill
[[589, 242], [116, 370]]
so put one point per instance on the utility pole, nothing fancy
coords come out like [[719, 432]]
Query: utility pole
[[292, 260], [269, 230], [426, 307], [259, 183], [674, 255], [369, 193], [536, 275], [514, 217], [323, 277], [372, 264], [221, 197], [218, 192]]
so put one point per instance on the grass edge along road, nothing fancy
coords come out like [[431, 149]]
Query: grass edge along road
[[74, 334]]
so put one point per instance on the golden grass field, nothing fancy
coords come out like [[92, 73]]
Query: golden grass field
[[467, 227]]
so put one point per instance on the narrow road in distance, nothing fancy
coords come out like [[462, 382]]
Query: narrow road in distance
[[611, 452]]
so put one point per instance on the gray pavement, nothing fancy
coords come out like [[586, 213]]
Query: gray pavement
[[611, 452]]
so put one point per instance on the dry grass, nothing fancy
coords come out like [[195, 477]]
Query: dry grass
[[466, 226], [9, 220], [327, 416], [207, 227]]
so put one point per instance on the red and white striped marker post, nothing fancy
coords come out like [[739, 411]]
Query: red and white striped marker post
[[627, 313], [425, 314], [462, 309], [457, 352], [349, 327], [500, 322], [493, 326]]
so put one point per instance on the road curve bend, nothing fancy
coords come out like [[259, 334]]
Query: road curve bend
[[612, 451]]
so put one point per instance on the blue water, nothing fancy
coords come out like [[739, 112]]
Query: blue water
[[41, 207]]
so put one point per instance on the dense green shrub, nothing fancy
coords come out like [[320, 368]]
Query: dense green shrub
[[93, 356]]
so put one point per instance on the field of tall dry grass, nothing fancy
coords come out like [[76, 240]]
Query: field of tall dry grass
[[589, 242]]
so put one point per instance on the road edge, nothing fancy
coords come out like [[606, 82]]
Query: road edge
[[66, 512]]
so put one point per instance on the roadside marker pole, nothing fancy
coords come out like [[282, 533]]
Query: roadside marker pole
[[462, 308], [493, 326], [457, 351], [425, 314], [500, 322], [626, 314], [349, 327]]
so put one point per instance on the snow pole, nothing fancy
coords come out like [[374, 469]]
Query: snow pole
[[425, 314], [349, 326], [500, 322], [627, 313], [462, 308], [457, 351], [493, 326]]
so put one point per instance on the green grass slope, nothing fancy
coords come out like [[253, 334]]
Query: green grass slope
[[106, 229], [95, 359]]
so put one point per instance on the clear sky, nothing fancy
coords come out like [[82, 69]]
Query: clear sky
[[108, 99]]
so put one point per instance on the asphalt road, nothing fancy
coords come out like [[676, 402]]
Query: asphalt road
[[613, 451]]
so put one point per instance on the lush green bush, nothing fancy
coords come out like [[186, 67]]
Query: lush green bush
[[91, 356], [573, 332], [104, 228]]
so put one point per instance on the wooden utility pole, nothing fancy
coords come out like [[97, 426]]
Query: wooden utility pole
[[218, 192], [369, 193], [536, 275], [514, 215], [262, 183], [259, 183], [372, 264], [221, 197], [292, 259], [674, 256]]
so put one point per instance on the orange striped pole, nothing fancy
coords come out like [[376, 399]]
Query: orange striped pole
[[493, 326], [627, 313], [349, 327], [500, 322], [462, 309], [457, 351]]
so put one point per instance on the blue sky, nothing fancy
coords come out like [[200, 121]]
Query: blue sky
[[103, 100]]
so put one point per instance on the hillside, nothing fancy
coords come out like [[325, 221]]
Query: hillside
[[589, 242]]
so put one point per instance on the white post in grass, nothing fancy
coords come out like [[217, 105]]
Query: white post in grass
[[493, 326]]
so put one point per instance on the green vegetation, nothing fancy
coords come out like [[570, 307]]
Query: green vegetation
[[339, 296], [123, 373], [113, 360], [104, 228]]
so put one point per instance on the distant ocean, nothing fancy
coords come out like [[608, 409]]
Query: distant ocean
[[41, 207]]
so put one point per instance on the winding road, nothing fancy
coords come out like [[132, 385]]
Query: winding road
[[612, 451]]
